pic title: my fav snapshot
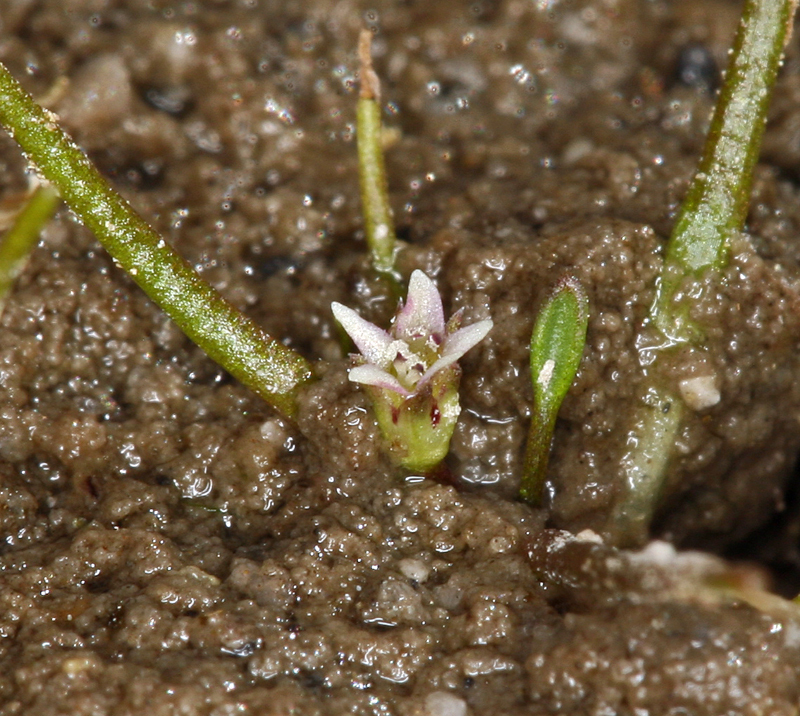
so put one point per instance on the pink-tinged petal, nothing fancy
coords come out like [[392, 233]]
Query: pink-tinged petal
[[372, 341], [457, 344], [372, 375], [422, 314]]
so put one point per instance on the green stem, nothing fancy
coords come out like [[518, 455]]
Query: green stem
[[716, 204], [715, 208], [645, 460], [272, 370], [378, 220], [21, 238], [537, 457]]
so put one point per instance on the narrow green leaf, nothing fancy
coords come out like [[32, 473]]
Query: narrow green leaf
[[557, 343], [378, 219], [264, 364], [715, 206], [18, 242]]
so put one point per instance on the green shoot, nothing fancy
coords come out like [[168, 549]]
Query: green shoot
[[21, 238], [715, 208], [269, 368], [557, 342], [378, 220]]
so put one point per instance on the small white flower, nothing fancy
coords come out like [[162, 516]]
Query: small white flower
[[412, 371], [418, 345]]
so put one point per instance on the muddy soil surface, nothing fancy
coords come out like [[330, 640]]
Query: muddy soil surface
[[172, 545]]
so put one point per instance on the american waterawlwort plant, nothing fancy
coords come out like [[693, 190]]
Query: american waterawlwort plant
[[714, 209], [412, 372]]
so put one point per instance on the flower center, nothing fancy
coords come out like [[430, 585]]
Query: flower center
[[408, 365]]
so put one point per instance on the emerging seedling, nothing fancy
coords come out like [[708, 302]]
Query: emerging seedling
[[411, 372], [557, 342]]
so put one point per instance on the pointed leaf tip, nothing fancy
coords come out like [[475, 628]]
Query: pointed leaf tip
[[557, 343]]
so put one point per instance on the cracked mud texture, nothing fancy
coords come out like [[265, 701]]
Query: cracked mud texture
[[171, 545]]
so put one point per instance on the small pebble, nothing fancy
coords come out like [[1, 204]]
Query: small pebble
[[440, 703], [699, 393], [414, 569]]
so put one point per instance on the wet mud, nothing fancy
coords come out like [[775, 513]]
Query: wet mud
[[173, 545]]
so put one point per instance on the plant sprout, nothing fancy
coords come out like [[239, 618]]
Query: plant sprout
[[411, 372], [557, 343]]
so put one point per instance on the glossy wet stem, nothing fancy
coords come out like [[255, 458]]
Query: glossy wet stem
[[269, 368], [716, 204], [715, 208]]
